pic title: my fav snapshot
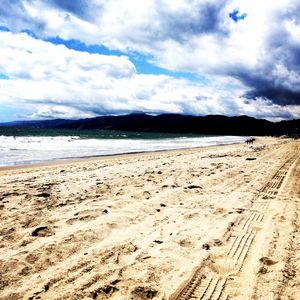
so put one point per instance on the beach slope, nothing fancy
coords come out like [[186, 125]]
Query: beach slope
[[212, 223]]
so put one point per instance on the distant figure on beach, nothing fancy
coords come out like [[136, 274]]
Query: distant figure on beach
[[250, 141]]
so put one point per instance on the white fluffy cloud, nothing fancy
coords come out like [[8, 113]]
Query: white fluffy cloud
[[62, 83]]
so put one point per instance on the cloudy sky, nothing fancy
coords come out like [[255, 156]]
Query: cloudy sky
[[74, 59]]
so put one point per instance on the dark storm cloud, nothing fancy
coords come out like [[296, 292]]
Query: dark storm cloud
[[267, 84], [277, 95], [277, 77], [264, 84]]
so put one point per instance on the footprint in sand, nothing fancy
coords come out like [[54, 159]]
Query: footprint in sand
[[185, 243], [268, 261], [145, 292], [146, 194], [42, 231], [106, 291]]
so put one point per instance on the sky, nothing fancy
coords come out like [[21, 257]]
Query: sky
[[79, 59]]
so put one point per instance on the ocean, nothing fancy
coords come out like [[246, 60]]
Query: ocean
[[22, 149]]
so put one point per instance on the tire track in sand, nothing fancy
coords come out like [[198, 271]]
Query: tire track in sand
[[212, 280]]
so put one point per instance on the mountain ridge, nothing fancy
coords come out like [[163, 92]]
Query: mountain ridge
[[171, 123]]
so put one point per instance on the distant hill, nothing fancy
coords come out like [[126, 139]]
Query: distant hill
[[172, 123]]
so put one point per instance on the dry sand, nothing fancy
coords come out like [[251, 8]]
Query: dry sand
[[204, 223]]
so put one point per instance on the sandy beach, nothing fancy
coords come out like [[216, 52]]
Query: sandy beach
[[209, 223]]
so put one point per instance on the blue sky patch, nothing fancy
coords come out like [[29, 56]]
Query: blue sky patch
[[143, 65], [30, 33], [141, 62], [3, 77], [4, 28], [236, 17], [10, 113], [79, 46]]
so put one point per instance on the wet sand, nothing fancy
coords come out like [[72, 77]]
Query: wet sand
[[210, 223]]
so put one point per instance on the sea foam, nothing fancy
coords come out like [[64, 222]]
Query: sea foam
[[28, 150]]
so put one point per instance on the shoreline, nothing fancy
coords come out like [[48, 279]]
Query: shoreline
[[55, 151], [71, 160]]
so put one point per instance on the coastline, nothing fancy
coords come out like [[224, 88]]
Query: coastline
[[71, 160], [148, 225], [40, 150]]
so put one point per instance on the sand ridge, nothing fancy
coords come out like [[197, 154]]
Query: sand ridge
[[166, 225]]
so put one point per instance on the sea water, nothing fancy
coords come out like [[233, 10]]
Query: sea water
[[19, 150]]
